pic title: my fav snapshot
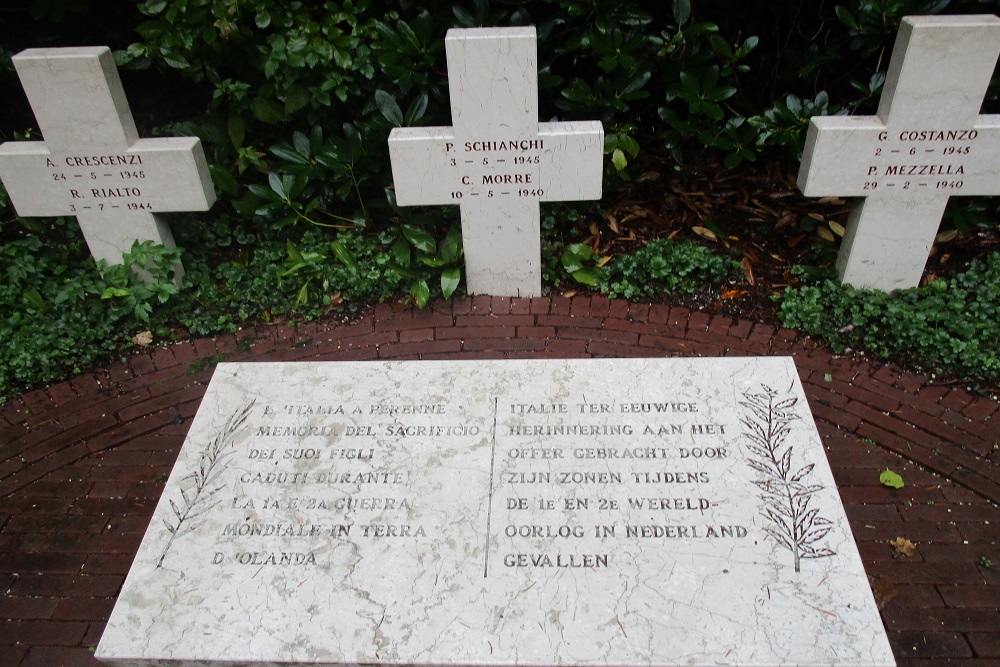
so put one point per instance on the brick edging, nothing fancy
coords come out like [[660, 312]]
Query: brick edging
[[947, 430]]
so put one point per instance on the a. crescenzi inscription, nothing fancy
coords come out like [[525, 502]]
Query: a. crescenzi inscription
[[592, 512], [497, 162], [92, 164], [927, 143]]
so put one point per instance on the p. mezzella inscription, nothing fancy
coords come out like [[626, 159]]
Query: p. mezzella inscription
[[919, 153]]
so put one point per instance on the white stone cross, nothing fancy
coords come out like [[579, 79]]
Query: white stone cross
[[927, 143], [92, 163], [497, 162]]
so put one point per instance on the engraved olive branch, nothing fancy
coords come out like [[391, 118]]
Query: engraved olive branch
[[786, 494], [196, 500]]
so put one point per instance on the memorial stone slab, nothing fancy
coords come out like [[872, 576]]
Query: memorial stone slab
[[544, 512], [497, 162], [92, 164], [927, 143]]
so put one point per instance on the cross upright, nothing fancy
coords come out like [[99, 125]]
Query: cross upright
[[92, 163], [497, 162], [926, 143]]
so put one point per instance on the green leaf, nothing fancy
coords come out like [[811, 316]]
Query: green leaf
[[266, 110], [416, 109], [575, 254], [421, 293], [176, 61], [112, 292], [289, 154], [344, 255], [277, 185], [302, 298], [450, 278], [618, 159], [845, 16], [408, 35], [588, 276], [401, 252], [389, 107], [721, 46], [890, 479], [223, 179], [420, 239], [637, 82], [296, 98], [294, 253], [33, 297], [153, 7], [237, 130], [682, 11], [748, 45], [628, 144], [301, 142], [263, 19], [450, 248]]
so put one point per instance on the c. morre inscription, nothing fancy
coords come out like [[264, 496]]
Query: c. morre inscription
[[587, 512]]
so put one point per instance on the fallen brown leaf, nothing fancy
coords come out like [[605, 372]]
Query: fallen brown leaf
[[883, 589], [748, 271], [143, 338], [705, 233], [902, 547]]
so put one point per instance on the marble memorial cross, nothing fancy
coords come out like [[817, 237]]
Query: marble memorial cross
[[497, 162], [92, 163], [927, 143]]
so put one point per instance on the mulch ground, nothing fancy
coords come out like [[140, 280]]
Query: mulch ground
[[83, 463], [757, 214]]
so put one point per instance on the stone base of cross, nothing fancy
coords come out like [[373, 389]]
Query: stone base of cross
[[926, 144], [497, 162], [92, 164]]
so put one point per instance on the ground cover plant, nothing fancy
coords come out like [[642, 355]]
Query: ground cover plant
[[704, 106]]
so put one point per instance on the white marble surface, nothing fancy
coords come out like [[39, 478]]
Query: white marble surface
[[927, 143], [585, 512], [92, 163], [497, 162]]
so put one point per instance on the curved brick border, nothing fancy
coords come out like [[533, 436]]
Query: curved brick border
[[82, 463]]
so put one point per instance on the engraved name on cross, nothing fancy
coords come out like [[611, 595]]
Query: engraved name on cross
[[92, 163], [927, 143], [497, 162]]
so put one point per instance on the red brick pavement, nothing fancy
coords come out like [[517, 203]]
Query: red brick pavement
[[82, 463]]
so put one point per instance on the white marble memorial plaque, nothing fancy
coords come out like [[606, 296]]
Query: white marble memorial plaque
[[927, 143], [586, 512], [92, 164], [497, 162]]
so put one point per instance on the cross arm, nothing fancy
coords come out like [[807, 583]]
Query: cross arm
[[855, 156], [424, 167], [837, 155], [431, 167], [574, 166], [154, 175], [35, 190]]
